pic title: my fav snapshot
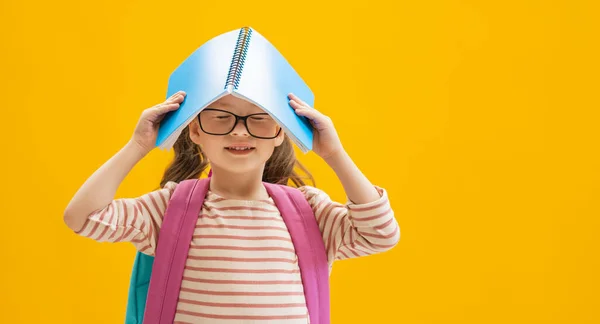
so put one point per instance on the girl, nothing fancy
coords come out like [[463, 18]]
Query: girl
[[241, 264]]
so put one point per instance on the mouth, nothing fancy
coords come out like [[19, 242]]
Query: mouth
[[240, 149]]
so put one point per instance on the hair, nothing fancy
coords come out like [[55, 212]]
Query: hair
[[189, 163]]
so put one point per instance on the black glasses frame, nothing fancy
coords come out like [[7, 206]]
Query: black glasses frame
[[237, 119]]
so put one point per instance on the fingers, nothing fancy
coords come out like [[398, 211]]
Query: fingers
[[304, 110], [307, 112], [171, 104], [165, 108], [159, 110], [295, 98], [176, 97]]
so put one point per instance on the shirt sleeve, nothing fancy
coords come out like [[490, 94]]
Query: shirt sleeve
[[136, 220], [354, 230]]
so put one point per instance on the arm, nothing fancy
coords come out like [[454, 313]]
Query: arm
[[99, 189], [367, 225], [364, 226], [356, 185], [354, 230]]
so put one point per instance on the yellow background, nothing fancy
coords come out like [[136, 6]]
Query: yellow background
[[479, 117]]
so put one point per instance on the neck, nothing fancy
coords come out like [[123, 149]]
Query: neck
[[243, 186]]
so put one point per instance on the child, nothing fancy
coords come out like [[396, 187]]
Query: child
[[241, 264]]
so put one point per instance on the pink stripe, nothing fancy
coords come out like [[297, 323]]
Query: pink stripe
[[344, 254], [384, 225], [96, 224], [241, 293], [241, 317], [150, 232], [244, 282], [345, 230], [278, 271], [243, 217], [150, 220], [331, 233], [146, 206], [361, 219], [131, 228], [143, 222], [208, 208], [378, 246], [364, 209], [237, 305], [106, 227], [138, 239], [110, 238], [319, 205], [277, 228], [125, 218], [352, 244], [268, 202], [321, 216], [365, 247], [381, 236], [328, 217], [163, 199], [335, 245], [239, 237], [153, 200], [219, 199], [201, 258], [241, 248]]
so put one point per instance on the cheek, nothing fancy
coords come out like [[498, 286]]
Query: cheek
[[211, 145], [266, 149]]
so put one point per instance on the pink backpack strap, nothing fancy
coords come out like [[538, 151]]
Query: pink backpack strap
[[172, 249], [310, 248]]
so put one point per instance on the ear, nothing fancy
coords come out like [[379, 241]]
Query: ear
[[195, 130], [279, 138]]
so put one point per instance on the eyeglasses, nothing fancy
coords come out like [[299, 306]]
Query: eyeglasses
[[222, 122]]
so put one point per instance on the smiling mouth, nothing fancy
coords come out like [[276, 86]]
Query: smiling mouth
[[239, 149]]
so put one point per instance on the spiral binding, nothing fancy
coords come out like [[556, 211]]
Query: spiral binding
[[239, 57]]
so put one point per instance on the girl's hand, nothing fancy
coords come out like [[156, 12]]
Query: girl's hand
[[326, 142], [146, 130]]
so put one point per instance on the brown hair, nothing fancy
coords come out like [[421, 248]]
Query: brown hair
[[189, 163]]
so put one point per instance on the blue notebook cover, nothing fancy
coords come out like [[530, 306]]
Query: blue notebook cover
[[244, 64]]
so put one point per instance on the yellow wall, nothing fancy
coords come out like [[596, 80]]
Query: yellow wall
[[479, 117]]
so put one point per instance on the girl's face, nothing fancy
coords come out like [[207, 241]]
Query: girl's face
[[231, 146]]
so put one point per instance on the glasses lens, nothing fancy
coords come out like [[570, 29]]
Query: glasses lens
[[216, 122], [261, 125]]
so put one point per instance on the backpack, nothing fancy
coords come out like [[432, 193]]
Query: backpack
[[156, 281]]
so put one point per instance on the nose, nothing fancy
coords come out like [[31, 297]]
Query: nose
[[240, 129]]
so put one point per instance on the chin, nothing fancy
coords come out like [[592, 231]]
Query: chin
[[236, 164]]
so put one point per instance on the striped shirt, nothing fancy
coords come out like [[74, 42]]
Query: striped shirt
[[241, 266]]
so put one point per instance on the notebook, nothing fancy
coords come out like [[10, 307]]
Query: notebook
[[244, 64]]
